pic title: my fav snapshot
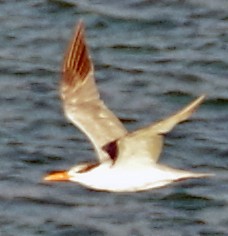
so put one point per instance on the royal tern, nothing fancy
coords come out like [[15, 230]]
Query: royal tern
[[127, 161]]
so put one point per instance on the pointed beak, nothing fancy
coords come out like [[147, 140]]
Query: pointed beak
[[61, 175]]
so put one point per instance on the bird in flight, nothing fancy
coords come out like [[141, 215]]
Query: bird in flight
[[127, 161]]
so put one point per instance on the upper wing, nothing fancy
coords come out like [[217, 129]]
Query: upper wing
[[81, 99], [145, 145]]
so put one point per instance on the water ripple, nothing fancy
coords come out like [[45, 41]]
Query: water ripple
[[156, 56]]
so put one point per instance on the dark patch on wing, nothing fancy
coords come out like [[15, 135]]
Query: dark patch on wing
[[112, 149], [88, 167]]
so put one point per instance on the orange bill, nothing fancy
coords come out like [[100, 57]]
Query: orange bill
[[61, 175]]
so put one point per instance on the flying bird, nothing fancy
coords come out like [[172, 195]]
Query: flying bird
[[127, 161]]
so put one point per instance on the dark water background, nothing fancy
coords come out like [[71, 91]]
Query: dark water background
[[151, 58]]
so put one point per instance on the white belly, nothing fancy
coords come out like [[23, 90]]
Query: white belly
[[106, 178]]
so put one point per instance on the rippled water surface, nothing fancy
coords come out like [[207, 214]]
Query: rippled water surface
[[151, 58]]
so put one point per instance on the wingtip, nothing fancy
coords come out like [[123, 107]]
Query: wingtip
[[195, 104], [76, 59], [166, 125], [80, 25], [201, 98]]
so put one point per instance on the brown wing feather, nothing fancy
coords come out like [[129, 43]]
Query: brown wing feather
[[81, 99], [76, 61]]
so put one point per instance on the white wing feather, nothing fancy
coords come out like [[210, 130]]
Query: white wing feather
[[143, 147]]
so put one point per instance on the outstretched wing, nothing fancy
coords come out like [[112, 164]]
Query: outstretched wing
[[144, 146], [81, 99]]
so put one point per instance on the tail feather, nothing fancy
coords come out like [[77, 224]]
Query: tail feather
[[194, 175]]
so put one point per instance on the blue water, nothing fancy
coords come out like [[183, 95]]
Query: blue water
[[151, 58]]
